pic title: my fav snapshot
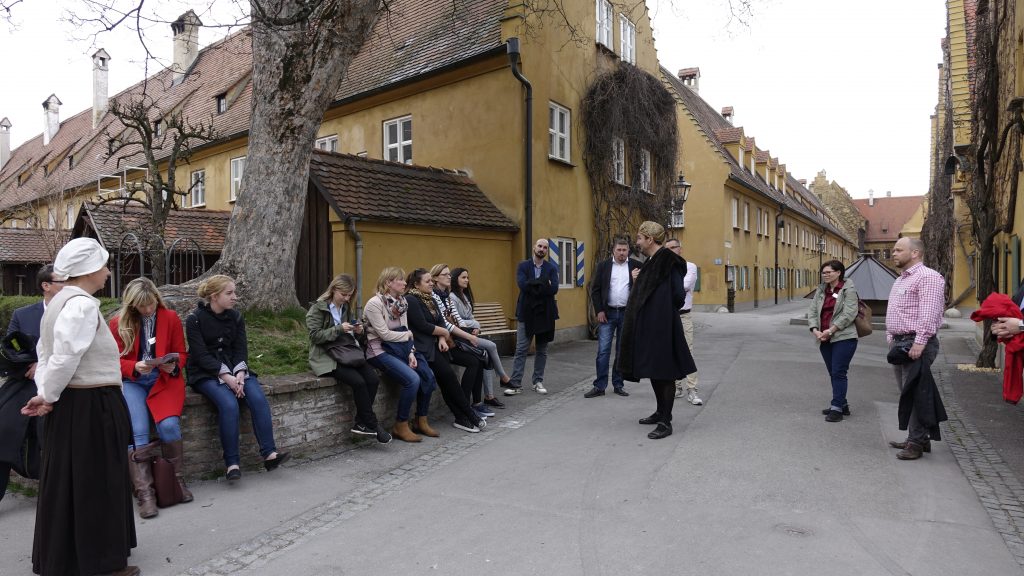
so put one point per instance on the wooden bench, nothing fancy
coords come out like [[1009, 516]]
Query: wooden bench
[[494, 325]]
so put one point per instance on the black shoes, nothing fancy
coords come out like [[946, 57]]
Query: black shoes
[[234, 474], [594, 393], [834, 416], [652, 419], [621, 392], [664, 429], [846, 411], [494, 402], [282, 457], [363, 430]]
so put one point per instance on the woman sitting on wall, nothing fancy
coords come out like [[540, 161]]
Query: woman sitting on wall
[[390, 349], [433, 338], [328, 319], [217, 369], [145, 332], [462, 299], [473, 376]]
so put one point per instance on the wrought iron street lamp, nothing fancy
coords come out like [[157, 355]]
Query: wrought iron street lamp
[[680, 192]]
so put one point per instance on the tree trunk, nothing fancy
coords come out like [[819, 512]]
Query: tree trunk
[[299, 62]]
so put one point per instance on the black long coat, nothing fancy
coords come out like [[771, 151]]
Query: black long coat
[[653, 345]]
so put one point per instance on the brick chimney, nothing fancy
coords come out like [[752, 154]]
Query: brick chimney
[[51, 118], [691, 78], [186, 43], [99, 86], [728, 113], [5, 142]]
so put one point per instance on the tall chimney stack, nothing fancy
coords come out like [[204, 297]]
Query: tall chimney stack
[[51, 118], [186, 43], [728, 112], [871, 197], [99, 86], [5, 142]]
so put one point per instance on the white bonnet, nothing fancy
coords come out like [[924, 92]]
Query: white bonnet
[[79, 257]]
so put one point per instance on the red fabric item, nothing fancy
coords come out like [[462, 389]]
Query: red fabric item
[[828, 306], [1001, 306], [167, 396]]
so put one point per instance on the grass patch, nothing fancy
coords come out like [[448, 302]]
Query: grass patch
[[278, 341], [19, 488]]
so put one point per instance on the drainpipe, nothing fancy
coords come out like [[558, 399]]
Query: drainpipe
[[513, 60], [778, 226], [359, 266]]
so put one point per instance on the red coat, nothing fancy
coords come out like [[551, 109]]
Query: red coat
[[167, 396], [1001, 306]]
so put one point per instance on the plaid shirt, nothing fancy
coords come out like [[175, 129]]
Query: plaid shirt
[[916, 303]]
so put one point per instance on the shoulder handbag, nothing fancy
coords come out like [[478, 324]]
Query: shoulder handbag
[[480, 353], [168, 491], [346, 351], [863, 319]]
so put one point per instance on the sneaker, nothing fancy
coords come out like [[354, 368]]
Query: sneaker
[[233, 474], [481, 424], [513, 390], [679, 392], [692, 398], [846, 411], [383, 436], [494, 402], [483, 410], [363, 430], [465, 426], [539, 388], [834, 416]]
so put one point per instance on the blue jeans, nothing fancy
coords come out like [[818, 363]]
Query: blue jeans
[[605, 332], [417, 384], [837, 356], [519, 362], [135, 394], [227, 416]]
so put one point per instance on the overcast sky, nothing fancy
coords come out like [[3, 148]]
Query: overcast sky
[[847, 87]]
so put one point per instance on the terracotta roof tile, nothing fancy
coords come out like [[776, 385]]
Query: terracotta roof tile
[[26, 245], [888, 216], [112, 220], [391, 192]]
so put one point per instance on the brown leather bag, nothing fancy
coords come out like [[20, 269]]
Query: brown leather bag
[[168, 492]]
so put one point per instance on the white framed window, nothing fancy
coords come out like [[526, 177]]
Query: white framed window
[[619, 160], [51, 219], [237, 169], [645, 171], [604, 23], [398, 140], [328, 143], [197, 195], [677, 214], [559, 130], [746, 216], [158, 128], [735, 212], [69, 215], [222, 103], [767, 225], [760, 221], [627, 39], [563, 255]]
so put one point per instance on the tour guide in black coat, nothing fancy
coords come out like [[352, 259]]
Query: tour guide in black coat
[[653, 345]]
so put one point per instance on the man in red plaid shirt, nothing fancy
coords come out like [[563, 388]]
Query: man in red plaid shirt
[[914, 315]]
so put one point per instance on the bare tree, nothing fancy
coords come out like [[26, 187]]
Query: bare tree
[[997, 130], [161, 138]]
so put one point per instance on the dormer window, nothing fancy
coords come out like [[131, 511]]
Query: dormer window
[[222, 103], [71, 161], [158, 128]]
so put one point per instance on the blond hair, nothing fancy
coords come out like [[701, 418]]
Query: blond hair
[[388, 275], [214, 285], [138, 292], [342, 283], [653, 230], [436, 269]]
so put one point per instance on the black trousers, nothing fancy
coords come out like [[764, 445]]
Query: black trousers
[[665, 394], [473, 377], [451, 390], [363, 381]]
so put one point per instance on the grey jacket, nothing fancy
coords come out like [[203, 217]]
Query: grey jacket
[[843, 316], [465, 312]]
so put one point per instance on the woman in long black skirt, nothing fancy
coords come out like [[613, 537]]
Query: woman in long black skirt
[[84, 518]]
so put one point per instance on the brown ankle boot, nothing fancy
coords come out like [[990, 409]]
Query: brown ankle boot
[[140, 469], [423, 427], [402, 432], [173, 453], [912, 451], [926, 447]]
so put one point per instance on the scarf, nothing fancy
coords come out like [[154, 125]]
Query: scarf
[[395, 306], [428, 301]]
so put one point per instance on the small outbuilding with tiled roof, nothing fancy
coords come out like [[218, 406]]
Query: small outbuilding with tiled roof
[[22, 252]]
